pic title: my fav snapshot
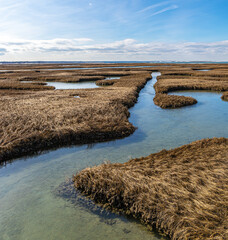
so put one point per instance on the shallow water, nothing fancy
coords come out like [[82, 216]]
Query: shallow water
[[29, 207], [76, 85], [112, 78], [27, 81], [203, 70]]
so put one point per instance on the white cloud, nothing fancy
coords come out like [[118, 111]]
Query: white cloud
[[128, 49], [173, 7], [153, 6], [36, 45], [157, 10]]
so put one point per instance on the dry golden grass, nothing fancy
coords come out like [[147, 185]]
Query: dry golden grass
[[187, 79], [36, 120], [181, 192], [17, 85], [225, 96], [42, 67], [61, 75], [62, 78], [33, 120], [172, 101]]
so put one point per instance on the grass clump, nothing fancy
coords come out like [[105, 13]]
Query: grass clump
[[17, 85], [182, 192], [225, 96], [172, 101], [182, 79]]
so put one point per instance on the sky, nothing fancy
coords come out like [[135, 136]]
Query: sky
[[114, 30]]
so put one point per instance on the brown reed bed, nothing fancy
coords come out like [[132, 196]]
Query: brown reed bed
[[62, 78], [182, 192], [16, 85], [19, 67], [35, 119], [105, 82], [225, 96], [188, 79], [173, 101], [39, 120]]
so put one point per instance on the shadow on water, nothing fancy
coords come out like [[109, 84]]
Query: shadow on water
[[67, 192]]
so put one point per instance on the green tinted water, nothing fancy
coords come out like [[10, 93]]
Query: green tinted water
[[30, 209]]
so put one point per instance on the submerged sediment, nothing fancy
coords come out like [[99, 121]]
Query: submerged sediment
[[181, 192]]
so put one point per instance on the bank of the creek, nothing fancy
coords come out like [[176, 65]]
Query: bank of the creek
[[31, 209]]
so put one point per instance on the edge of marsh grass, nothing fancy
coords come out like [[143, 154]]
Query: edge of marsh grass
[[182, 192]]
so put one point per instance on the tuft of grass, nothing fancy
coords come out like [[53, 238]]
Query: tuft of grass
[[225, 96], [181, 192], [17, 85], [172, 101]]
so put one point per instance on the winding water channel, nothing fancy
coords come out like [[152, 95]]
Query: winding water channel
[[29, 207]]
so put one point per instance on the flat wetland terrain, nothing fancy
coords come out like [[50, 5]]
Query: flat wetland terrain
[[36, 117], [180, 192]]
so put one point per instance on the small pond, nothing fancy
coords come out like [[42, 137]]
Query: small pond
[[77, 85], [112, 78], [202, 70]]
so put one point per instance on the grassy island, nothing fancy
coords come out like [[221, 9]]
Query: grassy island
[[182, 192]]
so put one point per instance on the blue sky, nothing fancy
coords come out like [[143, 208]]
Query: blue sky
[[181, 30]]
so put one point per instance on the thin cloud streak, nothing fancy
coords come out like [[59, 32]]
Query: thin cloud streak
[[153, 6], [173, 7]]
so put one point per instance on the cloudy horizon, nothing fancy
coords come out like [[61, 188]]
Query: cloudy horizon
[[128, 30]]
